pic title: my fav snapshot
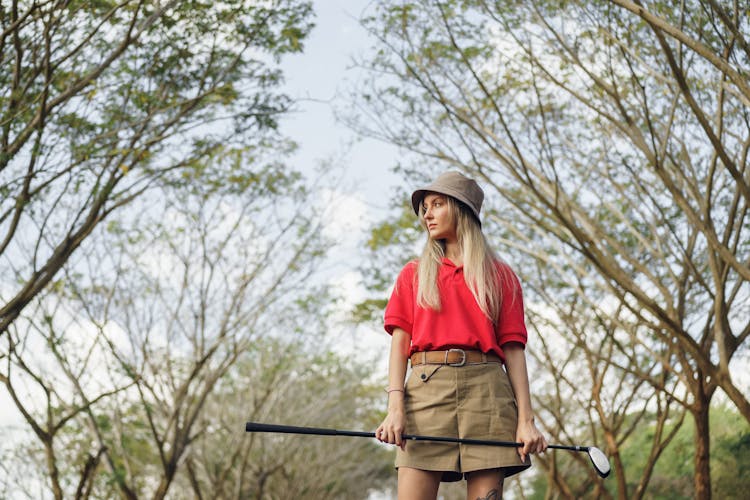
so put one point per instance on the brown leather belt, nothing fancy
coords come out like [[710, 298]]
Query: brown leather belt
[[453, 357]]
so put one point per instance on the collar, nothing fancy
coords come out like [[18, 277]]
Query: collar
[[447, 262]]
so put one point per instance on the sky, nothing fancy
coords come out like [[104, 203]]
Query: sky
[[317, 79]]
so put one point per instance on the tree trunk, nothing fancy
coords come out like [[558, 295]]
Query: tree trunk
[[622, 484], [54, 473], [702, 448]]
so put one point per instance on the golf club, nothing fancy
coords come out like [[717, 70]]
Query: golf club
[[598, 459]]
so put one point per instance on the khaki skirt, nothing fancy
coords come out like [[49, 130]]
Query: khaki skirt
[[474, 401]]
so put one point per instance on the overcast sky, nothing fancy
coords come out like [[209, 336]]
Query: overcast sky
[[317, 79]]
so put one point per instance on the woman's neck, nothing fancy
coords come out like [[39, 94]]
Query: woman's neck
[[453, 252]]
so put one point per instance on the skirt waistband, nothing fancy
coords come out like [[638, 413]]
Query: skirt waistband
[[453, 357]]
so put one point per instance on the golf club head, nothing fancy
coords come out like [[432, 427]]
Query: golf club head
[[599, 461]]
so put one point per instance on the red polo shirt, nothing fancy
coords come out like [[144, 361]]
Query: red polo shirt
[[460, 324]]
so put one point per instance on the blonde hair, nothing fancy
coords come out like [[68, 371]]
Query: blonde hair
[[481, 272]]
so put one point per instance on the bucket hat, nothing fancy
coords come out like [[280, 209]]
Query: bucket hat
[[456, 185]]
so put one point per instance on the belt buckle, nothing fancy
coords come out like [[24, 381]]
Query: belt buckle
[[463, 357]]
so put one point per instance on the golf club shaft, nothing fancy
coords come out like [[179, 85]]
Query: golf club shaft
[[317, 431]]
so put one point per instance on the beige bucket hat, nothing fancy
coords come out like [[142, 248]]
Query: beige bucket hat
[[456, 185]]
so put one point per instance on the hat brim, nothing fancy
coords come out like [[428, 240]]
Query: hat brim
[[419, 195]]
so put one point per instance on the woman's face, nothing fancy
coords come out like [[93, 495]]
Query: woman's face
[[438, 217]]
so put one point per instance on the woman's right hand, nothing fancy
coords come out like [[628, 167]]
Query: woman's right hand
[[392, 428]]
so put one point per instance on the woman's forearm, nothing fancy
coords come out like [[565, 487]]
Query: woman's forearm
[[397, 361], [515, 364], [392, 428], [526, 433]]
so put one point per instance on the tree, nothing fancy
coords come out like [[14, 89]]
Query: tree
[[616, 136], [170, 329], [103, 101], [323, 390], [127, 333]]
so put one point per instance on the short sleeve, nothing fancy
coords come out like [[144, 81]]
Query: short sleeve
[[511, 325], [399, 313]]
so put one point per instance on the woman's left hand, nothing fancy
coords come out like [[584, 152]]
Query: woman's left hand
[[533, 440]]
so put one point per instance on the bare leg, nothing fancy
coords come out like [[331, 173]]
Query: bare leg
[[485, 484], [416, 484]]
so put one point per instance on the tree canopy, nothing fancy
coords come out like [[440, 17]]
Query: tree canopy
[[158, 257], [612, 138], [102, 101]]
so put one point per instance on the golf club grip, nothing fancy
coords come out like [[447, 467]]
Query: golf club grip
[[290, 429]]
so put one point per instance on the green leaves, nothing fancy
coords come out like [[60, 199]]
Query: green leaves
[[610, 138], [169, 110], [100, 101]]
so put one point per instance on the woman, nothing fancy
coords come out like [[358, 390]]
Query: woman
[[457, 315]]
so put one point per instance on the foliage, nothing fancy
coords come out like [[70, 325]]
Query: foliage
[[175, 324], [101, 102], [321, 390], [673, 475], [136, 342], [611, 138]]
